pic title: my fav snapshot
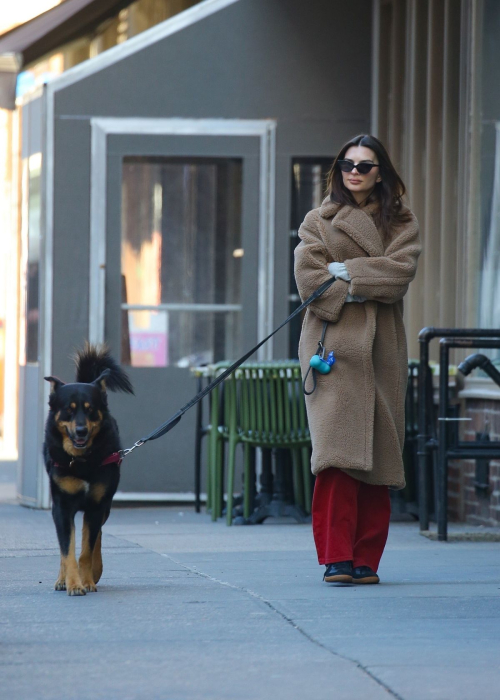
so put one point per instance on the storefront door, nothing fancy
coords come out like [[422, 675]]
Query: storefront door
[[185, 281]]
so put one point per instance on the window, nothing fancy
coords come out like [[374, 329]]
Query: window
[[181, 261]]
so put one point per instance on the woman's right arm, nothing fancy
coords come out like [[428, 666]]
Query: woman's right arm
[[311, 271]]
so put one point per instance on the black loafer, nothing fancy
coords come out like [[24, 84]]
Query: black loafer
[[363, 574], [338, 572]]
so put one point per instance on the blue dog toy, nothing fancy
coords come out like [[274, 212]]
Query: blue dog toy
[[323, 366], [317, 363]]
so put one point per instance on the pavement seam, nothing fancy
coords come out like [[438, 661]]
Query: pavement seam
[[275, 610], [287, 619]]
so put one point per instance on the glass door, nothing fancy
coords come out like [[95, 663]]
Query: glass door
[[183, 224]]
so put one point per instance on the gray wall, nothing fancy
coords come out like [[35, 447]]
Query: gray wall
[[31, 413], [305, 64]]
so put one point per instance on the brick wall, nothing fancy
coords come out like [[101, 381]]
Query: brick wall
[[464, 503]]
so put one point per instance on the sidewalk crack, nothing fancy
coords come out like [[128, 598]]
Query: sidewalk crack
[[287, 619]]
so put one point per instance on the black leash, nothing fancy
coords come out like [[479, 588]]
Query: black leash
[[172, 422]]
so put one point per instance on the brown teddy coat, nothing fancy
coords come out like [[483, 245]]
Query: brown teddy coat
[[357, 413]]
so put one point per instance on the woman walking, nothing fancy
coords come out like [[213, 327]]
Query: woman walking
[[368, 240]]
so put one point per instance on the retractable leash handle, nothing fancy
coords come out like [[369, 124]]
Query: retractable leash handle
[[172, 422]]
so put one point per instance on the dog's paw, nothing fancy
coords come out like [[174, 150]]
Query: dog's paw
[[60, 585], [89, 586], [75, 587], [76, 590]]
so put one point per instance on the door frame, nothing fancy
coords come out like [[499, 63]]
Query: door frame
[[102, 127]]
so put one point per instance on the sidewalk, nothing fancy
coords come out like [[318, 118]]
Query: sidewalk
[[189, 610]]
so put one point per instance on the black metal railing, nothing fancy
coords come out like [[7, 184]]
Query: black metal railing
[[444, 441]]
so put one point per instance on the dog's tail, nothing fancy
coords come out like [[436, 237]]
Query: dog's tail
[[93, 360]]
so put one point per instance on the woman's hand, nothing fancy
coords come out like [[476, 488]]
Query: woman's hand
[[337, 269]]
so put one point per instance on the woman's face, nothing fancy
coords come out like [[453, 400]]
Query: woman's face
[[361, 185]]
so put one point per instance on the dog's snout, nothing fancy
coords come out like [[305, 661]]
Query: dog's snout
[[81, 431]]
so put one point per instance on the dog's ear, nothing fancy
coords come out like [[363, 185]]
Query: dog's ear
[[55, 383], [101, 380]]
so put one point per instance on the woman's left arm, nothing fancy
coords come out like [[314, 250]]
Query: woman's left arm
[[386, 278]]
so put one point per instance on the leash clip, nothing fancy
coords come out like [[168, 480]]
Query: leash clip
[[126, 452]]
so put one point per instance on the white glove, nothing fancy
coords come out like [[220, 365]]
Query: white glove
[[337, 269]]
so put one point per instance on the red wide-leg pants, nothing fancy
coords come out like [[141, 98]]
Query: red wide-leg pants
[[350, 519]]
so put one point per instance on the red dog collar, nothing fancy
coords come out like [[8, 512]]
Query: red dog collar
[[114, 458]]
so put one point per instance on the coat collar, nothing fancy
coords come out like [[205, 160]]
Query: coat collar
[[356, 223]]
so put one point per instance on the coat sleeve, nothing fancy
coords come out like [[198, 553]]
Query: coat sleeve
[[387, 278], [311, 271]]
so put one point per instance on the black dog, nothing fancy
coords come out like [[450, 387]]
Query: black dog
[[82, 457]]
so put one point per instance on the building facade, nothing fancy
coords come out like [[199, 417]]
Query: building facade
[[436, 103], [164, 174]]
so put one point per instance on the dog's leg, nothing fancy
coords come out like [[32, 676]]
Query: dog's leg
[[90, 535], [97, 559], [97, 556], [65, 527], [60, 584]]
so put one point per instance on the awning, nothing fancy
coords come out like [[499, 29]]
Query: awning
[[66, 22]]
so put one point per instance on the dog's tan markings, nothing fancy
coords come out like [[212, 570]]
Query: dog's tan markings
[[99, 413], [74, 584], [93, 427], [72, 450], [64, 427], [86, 404], [70, 484], [57, 415], [60, 584], [97, 492], [85, 561], [73, 404], [97, 560]]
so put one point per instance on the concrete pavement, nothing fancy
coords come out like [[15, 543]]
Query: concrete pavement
[[189, 610]]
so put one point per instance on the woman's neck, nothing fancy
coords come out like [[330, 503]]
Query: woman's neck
[[362, 198]]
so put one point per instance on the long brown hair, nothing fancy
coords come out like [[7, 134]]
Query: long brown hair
[[388, 193]]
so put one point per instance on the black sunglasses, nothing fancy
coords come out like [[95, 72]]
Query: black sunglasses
[[347, 165]]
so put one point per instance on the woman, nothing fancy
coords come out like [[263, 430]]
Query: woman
[[368, 240]]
